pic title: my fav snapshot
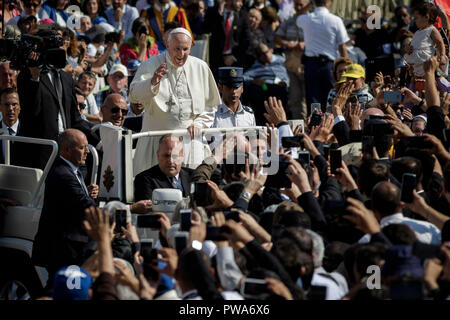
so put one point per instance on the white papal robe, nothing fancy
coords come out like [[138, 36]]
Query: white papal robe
[[186, 95]]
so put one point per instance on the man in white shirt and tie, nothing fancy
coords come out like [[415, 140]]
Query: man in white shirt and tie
[[325, 38], [10, 109]]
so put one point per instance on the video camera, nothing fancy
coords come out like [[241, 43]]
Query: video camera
[[46, 43]]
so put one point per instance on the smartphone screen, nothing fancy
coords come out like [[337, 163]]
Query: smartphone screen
[[419, 142], [304, 158], [292, 142], [185, 219], [393, 97], [201, 194], [409, 183], [148, 221], [181, 241], [335, 160], [252, 288], [121, 220], [316, 119], [214, 234], [315, 108], [232, 215]]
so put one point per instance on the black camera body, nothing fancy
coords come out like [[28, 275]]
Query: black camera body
[[46, 44]]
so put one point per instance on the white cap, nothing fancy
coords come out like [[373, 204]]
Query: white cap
[[421, 116], [119, 68], [181, 30], [91, 50]]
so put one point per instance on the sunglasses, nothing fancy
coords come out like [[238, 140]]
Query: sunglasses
[[30, 4], [117, 109]]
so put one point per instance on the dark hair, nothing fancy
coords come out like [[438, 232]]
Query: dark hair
[[293, 218], [234, 189], [334, 255], [137, 23], [270, 14], [8, 91], [402, 6], [370, 173], [427, 8], [367, 255], [404, 165], [386, 198], [399, 234], [171, 25], [382, 144], [293, 259]]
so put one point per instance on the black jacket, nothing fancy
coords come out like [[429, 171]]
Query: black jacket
[[61, 239], [153, 178], [40, 109], [214, 23]]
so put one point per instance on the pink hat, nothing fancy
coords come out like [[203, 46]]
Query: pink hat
[[44, 21]]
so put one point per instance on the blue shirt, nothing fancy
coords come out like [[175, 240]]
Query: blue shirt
[[273, 73]]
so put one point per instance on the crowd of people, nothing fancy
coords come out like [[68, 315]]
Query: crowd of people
[[364, 185]]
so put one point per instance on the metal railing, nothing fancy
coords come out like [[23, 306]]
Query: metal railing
[[52, 143]]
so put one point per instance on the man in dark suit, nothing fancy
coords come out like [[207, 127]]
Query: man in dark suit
[[10, 109], [168, 173], [61, 239], [230, 35], [49, 107]]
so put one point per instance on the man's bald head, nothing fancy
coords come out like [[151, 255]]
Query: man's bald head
[[369, 112], [386, 199], [114, 109], [73, 146]]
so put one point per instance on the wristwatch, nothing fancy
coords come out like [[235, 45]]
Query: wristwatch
[[246, 196], [197, 245], [438, 74]]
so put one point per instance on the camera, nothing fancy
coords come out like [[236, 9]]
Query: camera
[[113, 37], [45, 43]]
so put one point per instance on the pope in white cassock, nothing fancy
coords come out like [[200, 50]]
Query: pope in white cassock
[[178, 92]]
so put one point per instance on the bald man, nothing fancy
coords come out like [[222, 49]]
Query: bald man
[[387, 206], [178, 92], [61, 239]]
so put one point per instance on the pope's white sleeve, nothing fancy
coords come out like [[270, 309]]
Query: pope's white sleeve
[[227, 269], [141, 89]]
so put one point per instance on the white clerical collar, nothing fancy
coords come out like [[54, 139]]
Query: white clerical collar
[[15, 126]]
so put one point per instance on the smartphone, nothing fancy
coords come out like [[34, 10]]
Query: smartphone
[[232, 215], [352, 99], [121, 220], [148, 252], [148, 221], [181, 241], [316, 119], [214, 234], [185, 219], [292, 142], [254, 288], [202, 194], [326, 150], [315, 108], [419, 85], [418, 142], [335, 160], [393, 97], [378, 129], [304, 157], [280, 179], [317, 293], [409, 183]]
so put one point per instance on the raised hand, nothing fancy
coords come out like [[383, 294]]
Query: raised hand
[[159, 74]]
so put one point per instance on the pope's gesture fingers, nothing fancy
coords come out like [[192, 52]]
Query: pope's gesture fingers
[[159, 74]]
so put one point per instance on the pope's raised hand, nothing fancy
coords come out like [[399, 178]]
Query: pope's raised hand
[[159, 74]]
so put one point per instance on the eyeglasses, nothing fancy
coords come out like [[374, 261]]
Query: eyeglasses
[[31, 4], [117, 109], [81, 105]]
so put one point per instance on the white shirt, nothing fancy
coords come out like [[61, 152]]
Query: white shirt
[[60, 121], [323, 278], [425, 231], [226, 118], [323, 33], [14, 127], [129, 15], [91, 105]]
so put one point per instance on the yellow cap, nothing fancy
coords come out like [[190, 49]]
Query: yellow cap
[[354, 71]]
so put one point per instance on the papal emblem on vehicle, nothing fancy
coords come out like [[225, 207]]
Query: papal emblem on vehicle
[[108, 178]]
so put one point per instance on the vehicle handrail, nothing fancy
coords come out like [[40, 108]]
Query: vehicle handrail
[[94, 163], [185, 131], [50, 161]]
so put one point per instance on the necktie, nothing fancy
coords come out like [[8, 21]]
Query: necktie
[[59, 92], [176, 183], [227, 32], [83, 186], [11, 131]]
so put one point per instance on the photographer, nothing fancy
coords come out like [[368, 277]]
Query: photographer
[[47, 94]]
